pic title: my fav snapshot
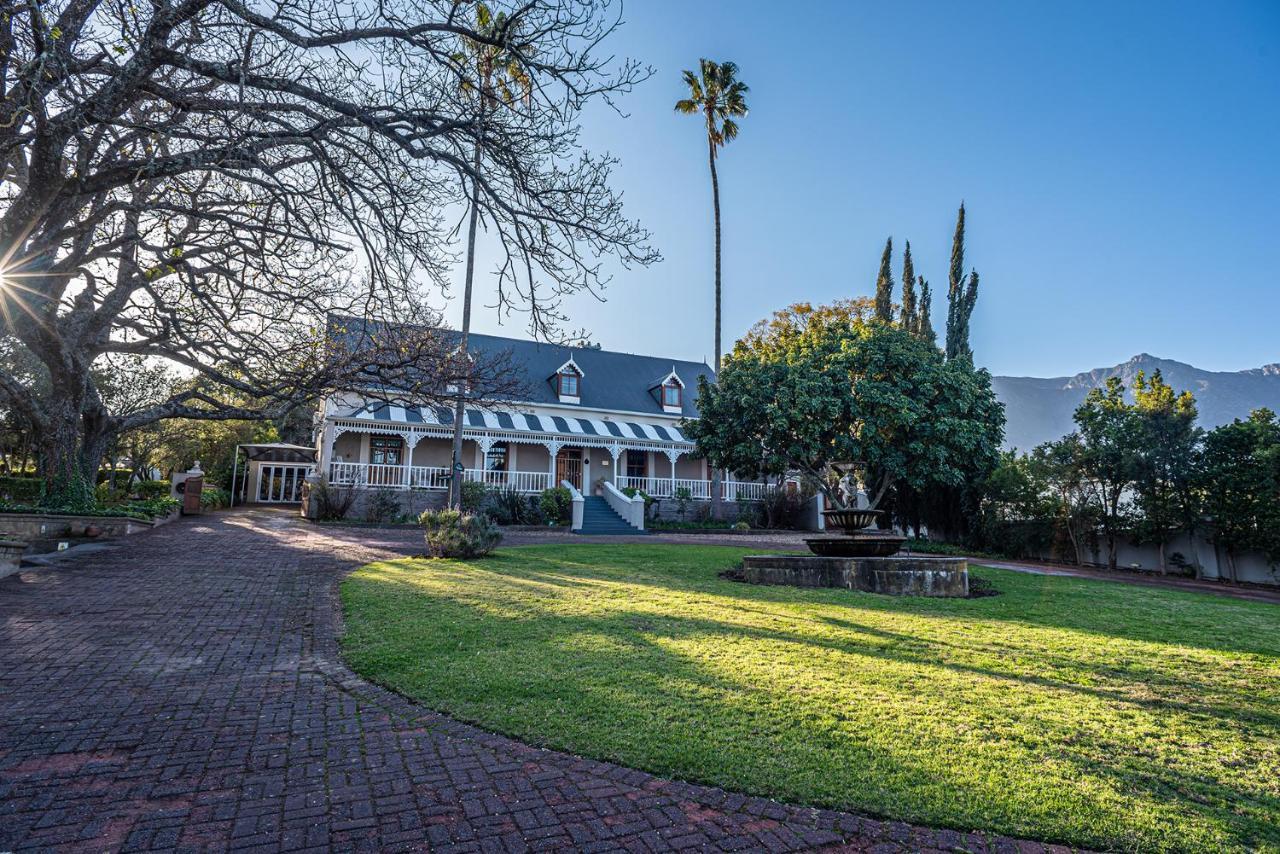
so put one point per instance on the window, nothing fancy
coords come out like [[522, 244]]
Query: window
[[387, 450], [671, 395], [636, 464], [568, 384], [496, 458]]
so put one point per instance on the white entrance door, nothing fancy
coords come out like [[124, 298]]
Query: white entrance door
[[281, 483]]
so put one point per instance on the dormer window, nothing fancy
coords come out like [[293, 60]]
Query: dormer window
[[669, 392], [567, 382], [671, 395]]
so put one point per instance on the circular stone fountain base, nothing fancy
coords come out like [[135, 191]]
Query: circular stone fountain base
[[896, 576]]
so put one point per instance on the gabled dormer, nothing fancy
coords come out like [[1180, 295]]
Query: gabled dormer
[[669, 392], [567, 382]]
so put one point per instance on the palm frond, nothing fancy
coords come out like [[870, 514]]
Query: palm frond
[[728, 131], [688, 106]]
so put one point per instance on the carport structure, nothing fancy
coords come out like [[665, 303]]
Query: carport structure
[[273, 473]]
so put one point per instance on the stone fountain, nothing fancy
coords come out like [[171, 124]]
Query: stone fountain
[[863, 557]]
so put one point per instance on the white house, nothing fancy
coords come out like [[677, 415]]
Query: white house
[[589, 416]]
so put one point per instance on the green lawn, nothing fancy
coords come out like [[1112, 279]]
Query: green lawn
[[1069, 710]]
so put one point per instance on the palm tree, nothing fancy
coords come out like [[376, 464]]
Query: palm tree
[[494, 76], [720, 97]]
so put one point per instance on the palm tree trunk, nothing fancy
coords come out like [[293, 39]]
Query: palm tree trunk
[[715, 203], [459, 406]]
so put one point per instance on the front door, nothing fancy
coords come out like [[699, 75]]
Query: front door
[[569, 467]]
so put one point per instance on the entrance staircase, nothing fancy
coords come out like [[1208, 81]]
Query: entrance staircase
[[598, 518]]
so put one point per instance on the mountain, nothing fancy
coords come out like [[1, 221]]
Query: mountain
[[1039, 410]]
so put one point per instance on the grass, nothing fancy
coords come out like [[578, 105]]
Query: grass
[[1091, 713]]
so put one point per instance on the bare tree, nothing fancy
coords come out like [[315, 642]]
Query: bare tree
[[208, 182]]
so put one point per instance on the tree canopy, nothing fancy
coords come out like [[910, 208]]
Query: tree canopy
[[812, 388], [202, 182]]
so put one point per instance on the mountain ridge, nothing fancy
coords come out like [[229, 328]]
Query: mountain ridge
[[1039, 409]]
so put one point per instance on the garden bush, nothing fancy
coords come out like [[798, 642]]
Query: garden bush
[[146, 489], [332, 503], [556, 504], [473, 496], [450, 533], [510, 507], [381, 505], [214, 498], [21, 490]]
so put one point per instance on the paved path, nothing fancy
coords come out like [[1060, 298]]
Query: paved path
[[184, 692]]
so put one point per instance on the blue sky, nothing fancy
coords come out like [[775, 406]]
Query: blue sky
[[1120, 164]]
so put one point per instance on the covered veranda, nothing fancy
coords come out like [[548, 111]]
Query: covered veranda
[[395, 447]]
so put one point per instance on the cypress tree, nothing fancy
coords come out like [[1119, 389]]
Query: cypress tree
[[955, 286], [910, 320], [924, 322], [884, 285]]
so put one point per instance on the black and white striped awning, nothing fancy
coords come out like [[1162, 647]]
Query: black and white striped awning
[[520, 422]]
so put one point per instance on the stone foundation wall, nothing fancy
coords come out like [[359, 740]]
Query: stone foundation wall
[[411, 501], [895, 576]]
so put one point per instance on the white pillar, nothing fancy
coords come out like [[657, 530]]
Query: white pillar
[[553, 448], [616, 452], [409, 444]]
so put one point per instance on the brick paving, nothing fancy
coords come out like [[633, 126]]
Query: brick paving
[[184, 692]]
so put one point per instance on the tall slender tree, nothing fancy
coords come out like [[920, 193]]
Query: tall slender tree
[[494, 77], [962, 295], [884, 285], [910, 315], [720, 97], [924, 327]]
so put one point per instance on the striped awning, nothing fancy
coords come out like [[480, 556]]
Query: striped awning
[[520, 422]]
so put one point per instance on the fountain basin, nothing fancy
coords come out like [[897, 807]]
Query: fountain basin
[[894, 576], [851, 520], [858, 545]]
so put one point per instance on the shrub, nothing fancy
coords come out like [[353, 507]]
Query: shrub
[[473, 496], [683, 496], [780, 508], [381, 505], [556, 504], [146, 489], [508, 507], [22, 490], [741, 525], [214, 498], [332, 503], [449, 533]]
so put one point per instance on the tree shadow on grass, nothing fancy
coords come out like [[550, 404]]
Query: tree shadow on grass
[[620, 672]]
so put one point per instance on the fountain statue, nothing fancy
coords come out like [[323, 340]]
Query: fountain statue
[[862, 557]]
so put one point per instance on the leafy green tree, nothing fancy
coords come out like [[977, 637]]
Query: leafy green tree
[[1240, 480], [1167, 459], [1111, 436], [810, 389], [1073, 495], [884, 285], [910, 313]]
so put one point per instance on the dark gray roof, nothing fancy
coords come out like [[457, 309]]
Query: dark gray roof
[[610, 380]]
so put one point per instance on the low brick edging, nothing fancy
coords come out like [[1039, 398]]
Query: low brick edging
[[185, 691]]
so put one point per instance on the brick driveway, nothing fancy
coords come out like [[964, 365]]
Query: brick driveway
[[184, 691]]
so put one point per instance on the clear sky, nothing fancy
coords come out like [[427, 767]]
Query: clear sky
[[1119, 162]]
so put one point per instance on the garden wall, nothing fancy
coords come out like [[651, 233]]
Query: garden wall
[[1251, 567]]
